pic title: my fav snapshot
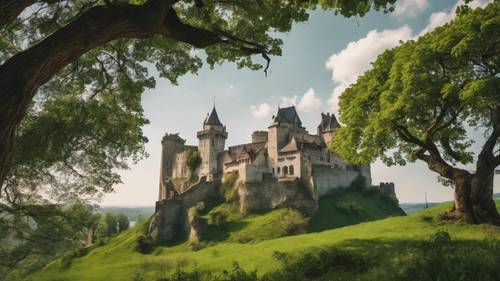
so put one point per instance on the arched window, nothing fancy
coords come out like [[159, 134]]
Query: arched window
[[291, 170], [285, 170], [278, 171], [273, 171]]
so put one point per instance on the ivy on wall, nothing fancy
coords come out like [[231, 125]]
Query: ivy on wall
[[193, 160]]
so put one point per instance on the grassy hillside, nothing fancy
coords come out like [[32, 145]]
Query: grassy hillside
[[351, 207], [378, 250]]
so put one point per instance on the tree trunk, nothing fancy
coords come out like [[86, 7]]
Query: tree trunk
[[474, 199], [15, 99]]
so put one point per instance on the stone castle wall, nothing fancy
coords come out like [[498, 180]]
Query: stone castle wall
[[327, 178], [272, 194]]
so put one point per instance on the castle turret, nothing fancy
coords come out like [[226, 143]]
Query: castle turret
[[285, 124], [327, 127], [212, 140], [171, 145]]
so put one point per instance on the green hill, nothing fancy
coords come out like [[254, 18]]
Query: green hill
[[395, 248]]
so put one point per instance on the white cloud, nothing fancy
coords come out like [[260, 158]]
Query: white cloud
[[410, 8], [355, 59], [288, 101], [440, 18], [260, 111], [307, 103]]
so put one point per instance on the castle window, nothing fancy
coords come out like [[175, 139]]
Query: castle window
[[273, 171], [291, 170], [285, 170], [278, 171]]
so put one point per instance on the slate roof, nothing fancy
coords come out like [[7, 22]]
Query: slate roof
[[213, 119], [300, 143], [247, 150], [288, 115], [328, 122]]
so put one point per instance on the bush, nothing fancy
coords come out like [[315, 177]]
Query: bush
[[193, 161], [143, 244], [68, 257], [359, 183], [349, 207], [66, 260], [390, 199], [441, 258], [293, 222], [216, 218], [313, 266], [229, 189]]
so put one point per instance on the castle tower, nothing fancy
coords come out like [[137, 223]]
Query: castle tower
[[285, 124], [327, 127], [171, 145], [212, 140]]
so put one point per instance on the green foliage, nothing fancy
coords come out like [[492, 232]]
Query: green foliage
[[388, 250], [193, 160], [349, 207], [84, 124], [143, 244], [216, 218], [229, 188], [68, 257], [38, 233], [359, 183], [110, 224], [292, 222], [424, 93], [444, 259]]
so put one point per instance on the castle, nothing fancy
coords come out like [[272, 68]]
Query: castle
[[286, 151], [285, 166]]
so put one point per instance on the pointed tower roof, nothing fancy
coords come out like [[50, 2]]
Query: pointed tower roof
[[328, 123], [288, 115], [213, 119]]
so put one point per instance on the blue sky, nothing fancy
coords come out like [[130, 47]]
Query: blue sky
[[320, 58]]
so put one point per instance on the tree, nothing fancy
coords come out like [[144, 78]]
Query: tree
[[429, 99], [72, 73], [29, 241], [123, 222], [91, 46]]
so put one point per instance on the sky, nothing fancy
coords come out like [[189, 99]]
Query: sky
[[321, 57]]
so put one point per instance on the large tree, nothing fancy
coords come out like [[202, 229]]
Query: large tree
[[431, 99], [54, 45], [72, 73]]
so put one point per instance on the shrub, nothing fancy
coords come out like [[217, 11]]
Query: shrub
[[216, 218], [229, 188], [441, 258], [390, 199], [193, 161], [143, 244], [349, 207], [313, 266], [293, 222], [68, 257], [359, 183], [66, 260]]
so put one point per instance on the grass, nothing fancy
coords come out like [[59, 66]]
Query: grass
[[373, 208], [387, 243]]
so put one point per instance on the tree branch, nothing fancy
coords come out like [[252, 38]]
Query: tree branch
[[11, 9]]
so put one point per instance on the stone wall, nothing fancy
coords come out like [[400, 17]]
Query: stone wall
[[252, 173], [327, 178], [167, 220], [171, 219], [199, 192], [271, 194]]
